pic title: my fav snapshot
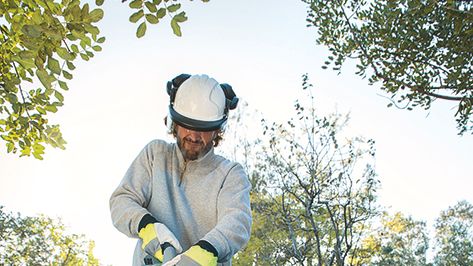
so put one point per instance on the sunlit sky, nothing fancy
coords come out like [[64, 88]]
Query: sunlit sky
[[117, 102]]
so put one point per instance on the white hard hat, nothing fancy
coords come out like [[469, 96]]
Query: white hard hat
[[199, 102]]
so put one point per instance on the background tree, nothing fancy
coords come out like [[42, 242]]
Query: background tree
[[454, 235], [419, 51], [280, 163], [41, 241], [40, 39], [40, 42], [397, 240], [268, 245], [314, 192]]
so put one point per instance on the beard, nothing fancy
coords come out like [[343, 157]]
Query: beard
[[193, 149]]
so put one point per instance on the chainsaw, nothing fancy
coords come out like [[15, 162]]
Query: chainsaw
[[169, 254]]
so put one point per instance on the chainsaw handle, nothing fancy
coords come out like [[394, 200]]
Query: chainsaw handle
[[169, 254]]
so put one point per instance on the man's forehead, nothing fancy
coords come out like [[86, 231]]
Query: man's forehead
[[193, 130]]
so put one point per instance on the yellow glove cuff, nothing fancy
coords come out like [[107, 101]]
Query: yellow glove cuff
[[201, 256], [159, 255], [147, 234]]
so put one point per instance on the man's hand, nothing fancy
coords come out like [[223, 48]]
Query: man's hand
[[195, 256], [154, 236]]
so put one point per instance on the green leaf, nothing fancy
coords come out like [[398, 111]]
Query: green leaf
[[101, 40], [99, 2], [181, 17], [75, 48], [33, 31], [26, 151], [63, 85], [91, 29], [37, 18], [97, 48], [84, 56], [151, 7], [51, 108], [157, 2], [458, 25], [26, 54], [136, 4], [66, 74], [44, 77], [174, 8], [26, 63], [64, 54], [152, 19], [85, 10], [54, 66], [176, 28], [85, 42], [59, 96], [140, 32], [71, 37], [38, 150], [70, 65], [136, 16], [40, 110], [96, 15], [10, 147], [161, 13], [75, 11]]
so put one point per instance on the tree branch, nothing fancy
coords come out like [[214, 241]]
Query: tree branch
[[379, 75]]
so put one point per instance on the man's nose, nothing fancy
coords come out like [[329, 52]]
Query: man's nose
[[193, 135]]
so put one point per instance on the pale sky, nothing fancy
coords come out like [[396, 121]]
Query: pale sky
[[117, 102]]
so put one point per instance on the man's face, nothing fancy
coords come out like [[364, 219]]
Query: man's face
[[194, 144]]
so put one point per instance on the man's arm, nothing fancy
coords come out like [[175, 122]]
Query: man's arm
[[128, 201], [233, 228]]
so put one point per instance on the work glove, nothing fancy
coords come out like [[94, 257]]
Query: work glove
[[196, 256], [156, 236]]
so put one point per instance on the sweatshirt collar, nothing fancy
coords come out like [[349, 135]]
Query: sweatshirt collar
[[201, 162]]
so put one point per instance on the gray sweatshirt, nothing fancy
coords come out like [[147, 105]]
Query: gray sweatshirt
[[206, 199]]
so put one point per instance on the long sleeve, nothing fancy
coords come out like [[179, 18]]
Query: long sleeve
[[129, 200], [233, 228]]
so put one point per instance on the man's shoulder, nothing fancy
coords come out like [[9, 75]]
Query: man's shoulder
[[159, 146], [225, 163]]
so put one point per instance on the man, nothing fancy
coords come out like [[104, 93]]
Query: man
[[182, 195]]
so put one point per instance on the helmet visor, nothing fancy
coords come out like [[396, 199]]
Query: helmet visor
[[194, 124]]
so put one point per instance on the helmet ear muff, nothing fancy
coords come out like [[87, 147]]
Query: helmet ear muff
[[174, 84], [231, 99], [171, 89]]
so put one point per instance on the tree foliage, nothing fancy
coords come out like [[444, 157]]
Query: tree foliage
[[308, 160], [314, 191], [41, 241], [41, 41], [397, 240], [419, 51], [153, 11], [454, 235], [269, 245]]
